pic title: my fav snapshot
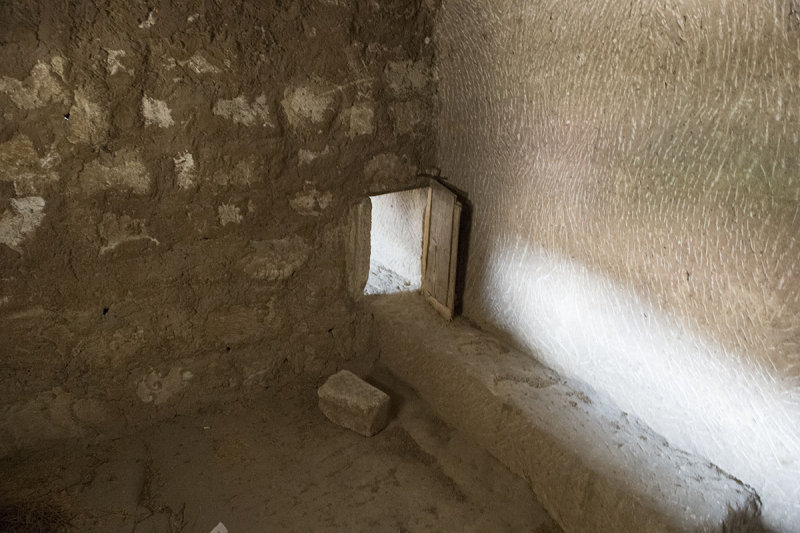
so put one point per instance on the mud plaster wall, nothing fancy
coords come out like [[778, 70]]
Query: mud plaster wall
[[175, 179], [634, 173]]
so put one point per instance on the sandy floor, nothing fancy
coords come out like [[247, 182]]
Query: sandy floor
[[274, 463]]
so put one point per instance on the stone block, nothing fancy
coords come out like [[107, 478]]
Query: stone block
[[349, 401], [124, 169]]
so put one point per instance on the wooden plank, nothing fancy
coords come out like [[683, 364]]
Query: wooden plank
[[426, 228], [451, 287], [445, 311], [440, 248], [437, 270]]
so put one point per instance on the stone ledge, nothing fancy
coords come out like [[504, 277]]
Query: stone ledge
[[594, 467]]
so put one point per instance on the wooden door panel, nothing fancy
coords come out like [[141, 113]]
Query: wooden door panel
[[440, 248]]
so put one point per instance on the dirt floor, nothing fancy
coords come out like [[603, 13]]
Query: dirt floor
[[273, 462]]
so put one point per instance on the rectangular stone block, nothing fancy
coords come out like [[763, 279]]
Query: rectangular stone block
[[351, 402]]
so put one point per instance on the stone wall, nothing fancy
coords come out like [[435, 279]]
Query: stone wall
[[633, 169], [175, 179]]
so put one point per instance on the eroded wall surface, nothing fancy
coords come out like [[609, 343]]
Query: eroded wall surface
[[634, 173], [175, 179]]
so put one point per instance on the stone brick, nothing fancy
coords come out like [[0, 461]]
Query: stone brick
[[308, 107], [349, 401], [241, 112], [123, 170]]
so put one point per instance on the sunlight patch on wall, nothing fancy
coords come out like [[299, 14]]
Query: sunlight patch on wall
[[707, 400]]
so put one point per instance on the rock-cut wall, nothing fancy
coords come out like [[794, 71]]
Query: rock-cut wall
[[175, 178], [633, 170]]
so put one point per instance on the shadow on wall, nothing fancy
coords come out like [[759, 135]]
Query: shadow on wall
[[745, 521]]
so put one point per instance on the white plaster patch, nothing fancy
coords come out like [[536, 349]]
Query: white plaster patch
[[124, 170], [339, 3], [361, 119], [39, 89], [50, 159], [88, 121], [15, 154], [116, 230], [311, 202], [242, 112], [57, 65], [276, 259], [150, 21], [21, 165], [184, 170], [156, 113], [199, 65], [156, 388], [114, 62], [229, 214], [29, 313], [305, 106], [305, 156], [17, 224]]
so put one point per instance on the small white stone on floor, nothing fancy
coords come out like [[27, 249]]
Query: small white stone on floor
[[351, 402], [220, 528]]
